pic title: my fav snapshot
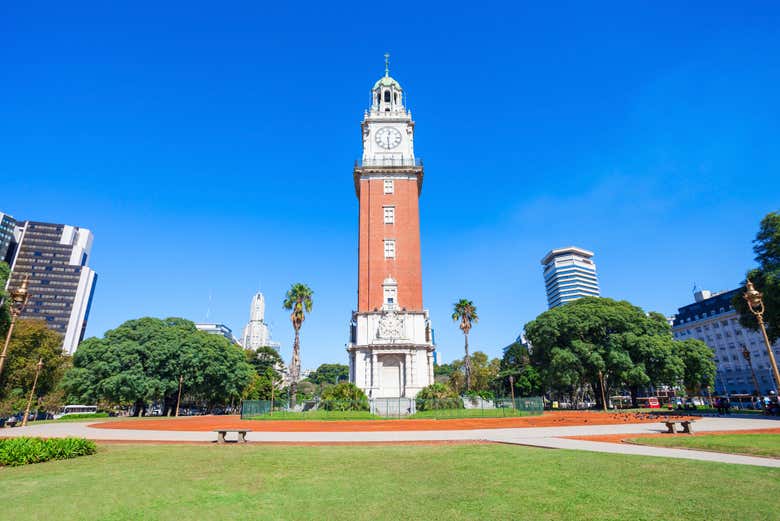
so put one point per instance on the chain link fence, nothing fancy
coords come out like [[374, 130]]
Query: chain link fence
[[378, 408]]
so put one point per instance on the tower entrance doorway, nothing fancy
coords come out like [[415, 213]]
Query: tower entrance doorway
[[391, 384]]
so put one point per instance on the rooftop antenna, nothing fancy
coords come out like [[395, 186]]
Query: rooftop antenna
[[387, 64], [695, 288]]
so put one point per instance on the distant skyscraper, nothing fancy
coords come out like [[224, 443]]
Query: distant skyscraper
[[7, 241], [218, 329], [256, 332], [55, 256], [569, 274]]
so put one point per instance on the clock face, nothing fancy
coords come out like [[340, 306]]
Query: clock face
[[388, 137]]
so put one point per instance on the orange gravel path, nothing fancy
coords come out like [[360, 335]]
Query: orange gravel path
[[210, 423]]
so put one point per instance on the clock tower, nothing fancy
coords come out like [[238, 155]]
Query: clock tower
[[391, 345]]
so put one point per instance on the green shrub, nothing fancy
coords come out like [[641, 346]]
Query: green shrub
[[344, 397], [22, 451], [484, 394], [438, 396]]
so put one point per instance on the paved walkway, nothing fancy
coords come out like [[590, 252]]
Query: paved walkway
[[548, 437]]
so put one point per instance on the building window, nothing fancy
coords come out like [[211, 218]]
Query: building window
[[390, 295], [389, 249], [389, 214], [388, 186]]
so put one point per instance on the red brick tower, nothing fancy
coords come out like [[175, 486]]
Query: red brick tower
[[391, 346]]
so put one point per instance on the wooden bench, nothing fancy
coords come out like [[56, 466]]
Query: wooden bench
[[222, 432], [687, 426]]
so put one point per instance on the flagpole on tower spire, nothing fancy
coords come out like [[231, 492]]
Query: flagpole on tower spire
[[387, 64]]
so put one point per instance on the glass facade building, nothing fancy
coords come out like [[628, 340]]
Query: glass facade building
[[54, 257], [569, 274], [7, 241]]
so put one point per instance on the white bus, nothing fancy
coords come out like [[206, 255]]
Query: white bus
[[75, 409]]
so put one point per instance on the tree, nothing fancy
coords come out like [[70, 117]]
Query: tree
[[266, 380], [344, 397], [5, 313], [483, 374], [602, 343], [466, 312], [298, 300], [765, 278], [265, 358], [329, 374], [32, 341], [516, 363], [142, 360], [443, 370], [438, 396], [697, 358]]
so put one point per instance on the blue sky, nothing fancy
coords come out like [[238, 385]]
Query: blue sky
[[209, 147]]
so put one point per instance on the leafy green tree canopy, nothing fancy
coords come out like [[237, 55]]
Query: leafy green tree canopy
[[699, 364], [765, 278], [344, 397], [329, 374], [483, 374], [32, 341], [593, 340], [5, 314], [516, 363], [142, 360]]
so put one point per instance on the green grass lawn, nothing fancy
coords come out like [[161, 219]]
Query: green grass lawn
[[750, 444], [445, 482]]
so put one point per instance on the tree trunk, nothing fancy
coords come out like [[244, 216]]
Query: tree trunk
[[634, 390], [169, 404], [140, 405], [295, 369], [467, 363]]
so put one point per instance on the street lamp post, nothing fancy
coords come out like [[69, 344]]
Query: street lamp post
[[746, 356], [38, 366], [756, 304], [18, 301]]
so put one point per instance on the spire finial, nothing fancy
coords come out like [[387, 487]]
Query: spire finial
[[387, 64]]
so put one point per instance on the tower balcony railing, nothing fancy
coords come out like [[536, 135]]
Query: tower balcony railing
[[389, 162]]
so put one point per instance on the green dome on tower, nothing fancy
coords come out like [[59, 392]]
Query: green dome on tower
[[387, 81]]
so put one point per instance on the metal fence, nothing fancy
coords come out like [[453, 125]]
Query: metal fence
[[464, 407]]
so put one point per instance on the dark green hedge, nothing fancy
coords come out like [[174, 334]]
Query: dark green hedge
[[22, 451]]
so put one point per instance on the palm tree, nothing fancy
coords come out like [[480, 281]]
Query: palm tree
[[298, 299], [466, 312]]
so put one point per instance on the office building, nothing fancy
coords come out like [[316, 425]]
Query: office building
[[218, 329], [712, 319], [61, 285], [256, 332], [569, 274], [7, 238]]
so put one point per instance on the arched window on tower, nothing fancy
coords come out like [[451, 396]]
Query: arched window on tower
[[395, 97], [378, 98], [387, 96]]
